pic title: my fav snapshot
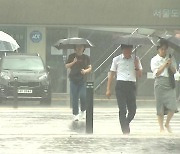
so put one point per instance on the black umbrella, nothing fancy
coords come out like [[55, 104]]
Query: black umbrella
[[173, 41], [134, 39], [70, 43]]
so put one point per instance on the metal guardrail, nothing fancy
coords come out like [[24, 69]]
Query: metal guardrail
[[107, 58]]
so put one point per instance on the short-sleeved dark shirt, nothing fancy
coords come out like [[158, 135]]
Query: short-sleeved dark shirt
[[83, 62]]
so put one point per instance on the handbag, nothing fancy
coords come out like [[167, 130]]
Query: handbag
[[171, 79]]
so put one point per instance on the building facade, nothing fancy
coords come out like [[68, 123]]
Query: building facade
[[38, 24]]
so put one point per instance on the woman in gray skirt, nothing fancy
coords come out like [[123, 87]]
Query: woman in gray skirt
[[165, 94]]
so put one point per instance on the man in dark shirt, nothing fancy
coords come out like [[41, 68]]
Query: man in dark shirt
[[79, 65]]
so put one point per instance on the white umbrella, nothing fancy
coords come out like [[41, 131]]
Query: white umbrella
[[7, 42]]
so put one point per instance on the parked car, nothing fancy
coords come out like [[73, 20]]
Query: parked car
[[26, 76]]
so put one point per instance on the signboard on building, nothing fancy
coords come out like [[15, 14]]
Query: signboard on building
[[36, 36]]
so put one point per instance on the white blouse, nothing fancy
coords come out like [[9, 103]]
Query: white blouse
[[158, 61]]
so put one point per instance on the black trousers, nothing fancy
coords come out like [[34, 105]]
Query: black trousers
[[126, 99]]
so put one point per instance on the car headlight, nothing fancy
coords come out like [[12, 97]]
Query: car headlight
[[43, 77], [5, 76]]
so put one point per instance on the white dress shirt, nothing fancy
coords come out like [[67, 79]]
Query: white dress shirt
[[158, 61], [125, 68]]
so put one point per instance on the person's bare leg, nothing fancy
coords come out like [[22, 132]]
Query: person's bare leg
[[160, 121], [169, 117]]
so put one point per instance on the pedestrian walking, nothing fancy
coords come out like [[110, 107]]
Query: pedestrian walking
[[163, 66], [79, 65], [126, 67]]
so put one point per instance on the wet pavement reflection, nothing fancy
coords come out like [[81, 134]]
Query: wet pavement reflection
[[50, 130], [87, 144]]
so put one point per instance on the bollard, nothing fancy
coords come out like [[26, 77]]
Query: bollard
[[89, 107], [70, 100], [15, 92]]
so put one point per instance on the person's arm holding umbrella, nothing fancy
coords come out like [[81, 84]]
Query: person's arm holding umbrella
[[70, 64], [86, 71], [138, 67], [167, 64]]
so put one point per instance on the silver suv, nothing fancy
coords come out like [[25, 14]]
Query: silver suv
[[30, 76]]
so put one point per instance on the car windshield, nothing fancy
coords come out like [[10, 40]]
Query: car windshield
[[23, 63]]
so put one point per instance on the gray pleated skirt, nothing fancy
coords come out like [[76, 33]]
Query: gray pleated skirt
[[165, 96]]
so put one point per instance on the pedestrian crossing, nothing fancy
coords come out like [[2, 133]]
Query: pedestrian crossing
[[58, 121], [144, 123]]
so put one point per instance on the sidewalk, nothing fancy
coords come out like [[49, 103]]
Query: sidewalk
[[58, 121]]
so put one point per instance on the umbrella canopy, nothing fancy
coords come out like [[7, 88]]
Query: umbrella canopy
[[70, 43], [7, 43], [173, 41], [135, 39]]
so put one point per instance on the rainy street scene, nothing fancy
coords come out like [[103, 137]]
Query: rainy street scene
[[90, 77]]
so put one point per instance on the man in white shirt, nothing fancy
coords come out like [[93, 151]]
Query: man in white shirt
[[126, 67]]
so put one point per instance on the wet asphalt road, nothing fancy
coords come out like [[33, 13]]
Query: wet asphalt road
[[50, 130], [87, 144]]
